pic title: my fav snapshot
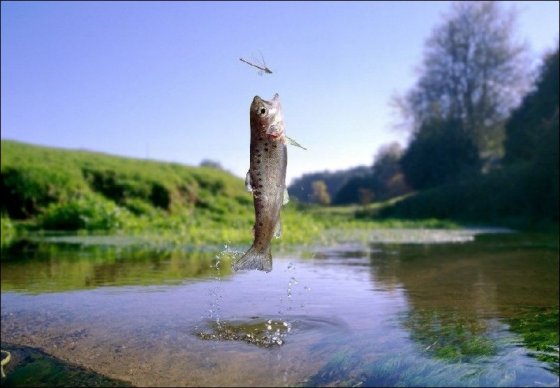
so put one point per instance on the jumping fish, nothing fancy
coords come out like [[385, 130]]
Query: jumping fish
[[266, 179]]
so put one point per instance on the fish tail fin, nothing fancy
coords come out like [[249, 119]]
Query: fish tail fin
[[254, 259]]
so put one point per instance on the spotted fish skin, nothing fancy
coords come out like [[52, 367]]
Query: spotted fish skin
[[266, 179]]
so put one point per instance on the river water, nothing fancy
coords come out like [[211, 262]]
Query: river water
[[402, 307]]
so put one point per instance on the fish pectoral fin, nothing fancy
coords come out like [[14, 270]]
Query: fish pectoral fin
[[286, 198], [291, 141], [278, 229], [248, 183]]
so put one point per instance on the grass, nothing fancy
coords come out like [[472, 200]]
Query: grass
[[50, 189]]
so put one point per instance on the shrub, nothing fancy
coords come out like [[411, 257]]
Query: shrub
[[8, 231], [138, 207], [92, 212], [27, 190]]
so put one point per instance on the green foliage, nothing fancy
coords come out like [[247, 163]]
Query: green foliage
[[440, 152], [302, 187], [388, 180], [544, 180], [532, 138], [8, 231], [473, 71], [524, 193], [73, 190], [34, 177], [92, 212], [528, 123], [500, 196], [350, 192], [27, 189], [139, 207]]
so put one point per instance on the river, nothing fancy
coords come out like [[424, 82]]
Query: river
[[402, 307]]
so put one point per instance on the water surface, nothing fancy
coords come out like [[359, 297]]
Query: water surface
[[399, 308]]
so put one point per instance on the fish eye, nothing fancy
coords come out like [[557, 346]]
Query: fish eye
[[262, 111]]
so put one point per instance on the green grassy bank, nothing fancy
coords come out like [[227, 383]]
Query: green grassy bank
[[49, 189]]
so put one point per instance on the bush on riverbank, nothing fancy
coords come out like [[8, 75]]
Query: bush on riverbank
[[505, 197]]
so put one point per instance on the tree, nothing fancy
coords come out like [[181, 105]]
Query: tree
[[211, 163], [366, 196], [473, 72], [387, 179], [440, 152], [302, 187], [352, 189], [533, 136], [320, 193], [529, 122]]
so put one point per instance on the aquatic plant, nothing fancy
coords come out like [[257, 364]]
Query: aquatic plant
[[539, 329]]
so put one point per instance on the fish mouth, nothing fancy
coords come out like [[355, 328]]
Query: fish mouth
[[275, 136], [275, 131]]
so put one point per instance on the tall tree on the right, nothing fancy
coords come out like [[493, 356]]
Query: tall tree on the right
[[530, 122], [474, 73], [533, 137]]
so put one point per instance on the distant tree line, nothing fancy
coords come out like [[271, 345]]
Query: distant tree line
[[302, 188], [363, 184]]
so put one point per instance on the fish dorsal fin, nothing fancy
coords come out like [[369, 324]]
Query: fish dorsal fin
[[291, 141]]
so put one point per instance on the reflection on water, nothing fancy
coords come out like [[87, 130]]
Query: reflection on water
[[385, 313], [42, 267]]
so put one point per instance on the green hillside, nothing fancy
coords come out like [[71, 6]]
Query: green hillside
[[34, 177], [57, 189]]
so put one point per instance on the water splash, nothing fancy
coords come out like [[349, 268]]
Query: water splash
[[215, 309], [276, 332], [215, 291], [262, 333]]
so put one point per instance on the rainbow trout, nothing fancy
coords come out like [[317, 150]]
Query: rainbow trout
[[266, 179]]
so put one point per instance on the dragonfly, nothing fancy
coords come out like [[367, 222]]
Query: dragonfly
[[261, 66]]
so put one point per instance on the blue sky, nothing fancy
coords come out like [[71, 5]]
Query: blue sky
[[163, 80]]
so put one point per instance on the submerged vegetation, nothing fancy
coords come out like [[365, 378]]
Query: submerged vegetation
[[538, 328]]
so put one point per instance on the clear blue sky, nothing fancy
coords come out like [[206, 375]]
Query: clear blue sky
[[163, 79]]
